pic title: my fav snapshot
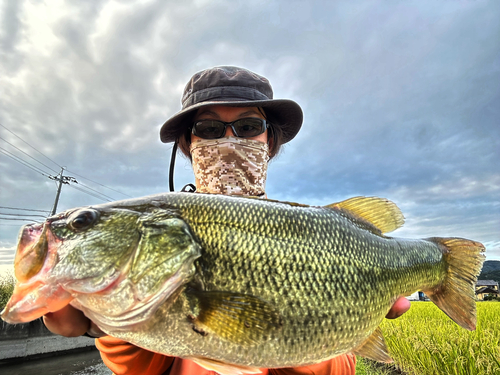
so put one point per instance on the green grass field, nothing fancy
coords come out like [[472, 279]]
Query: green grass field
[[424, 341], [7, 282]]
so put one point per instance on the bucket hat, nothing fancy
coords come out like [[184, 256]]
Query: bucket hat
[[235, 87]]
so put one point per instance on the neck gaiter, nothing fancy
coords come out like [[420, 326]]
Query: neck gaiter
[[230, 166]]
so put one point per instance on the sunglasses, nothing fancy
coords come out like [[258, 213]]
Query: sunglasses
[[242, 128]]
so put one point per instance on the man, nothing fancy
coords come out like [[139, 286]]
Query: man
[[230, 126]]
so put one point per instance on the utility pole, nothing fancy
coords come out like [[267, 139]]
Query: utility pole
[[62, 180]]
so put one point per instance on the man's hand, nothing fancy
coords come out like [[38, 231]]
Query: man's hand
[[401, 306], [70, 322]]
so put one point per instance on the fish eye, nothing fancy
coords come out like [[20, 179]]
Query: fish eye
[[82, 220]]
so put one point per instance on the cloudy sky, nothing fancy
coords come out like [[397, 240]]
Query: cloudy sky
[[401, 100]]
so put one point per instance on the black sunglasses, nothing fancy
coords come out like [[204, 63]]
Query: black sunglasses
[[242, 128]]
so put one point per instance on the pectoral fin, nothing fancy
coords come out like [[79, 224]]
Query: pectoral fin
[[224, 368], [239, 318], [374, 348]]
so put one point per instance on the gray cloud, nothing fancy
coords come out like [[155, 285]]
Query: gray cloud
[[400, 99]]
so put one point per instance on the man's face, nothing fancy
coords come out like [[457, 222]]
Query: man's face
[[229, 114]]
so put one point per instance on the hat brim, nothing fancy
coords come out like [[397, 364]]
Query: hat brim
[[284, 113]]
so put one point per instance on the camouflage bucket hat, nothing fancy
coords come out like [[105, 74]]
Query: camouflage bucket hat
[[235, 87]]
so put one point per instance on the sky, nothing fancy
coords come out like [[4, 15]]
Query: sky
[[401, 100]]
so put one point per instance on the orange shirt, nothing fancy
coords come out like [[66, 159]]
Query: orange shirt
[[124, 358]]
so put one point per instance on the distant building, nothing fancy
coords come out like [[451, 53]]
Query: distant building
[[485, 287], [418, 296]]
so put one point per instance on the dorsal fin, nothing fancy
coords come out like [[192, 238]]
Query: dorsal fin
[[380, 212]]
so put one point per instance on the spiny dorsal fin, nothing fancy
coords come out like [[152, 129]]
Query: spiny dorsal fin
[[374, 348], [380, 212]]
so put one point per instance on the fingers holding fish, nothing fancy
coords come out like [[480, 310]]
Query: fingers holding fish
[[68, 322]]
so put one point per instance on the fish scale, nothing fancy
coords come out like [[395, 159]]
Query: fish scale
[[237, 284], [300, 291]]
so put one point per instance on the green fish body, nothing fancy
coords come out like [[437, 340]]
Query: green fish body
[[240, 283]]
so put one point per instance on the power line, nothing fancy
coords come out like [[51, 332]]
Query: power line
[[104, 195], [23, 209], [4, 213], [107, 187], [8, 218], [38, 170], [23, 162], [10, 131], [17, 148], [66, 180], [86, 192]]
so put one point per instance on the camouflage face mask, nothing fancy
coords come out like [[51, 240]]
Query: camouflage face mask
[[230, 166]]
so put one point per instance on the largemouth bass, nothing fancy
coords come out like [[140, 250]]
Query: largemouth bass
[[238, 284]]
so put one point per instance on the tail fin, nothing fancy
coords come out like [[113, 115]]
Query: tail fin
[[456, 295]]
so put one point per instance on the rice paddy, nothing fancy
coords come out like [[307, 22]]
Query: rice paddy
[[7, 282], [424, 341]]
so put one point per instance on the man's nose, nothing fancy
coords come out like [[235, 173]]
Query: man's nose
[[229, 132]]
